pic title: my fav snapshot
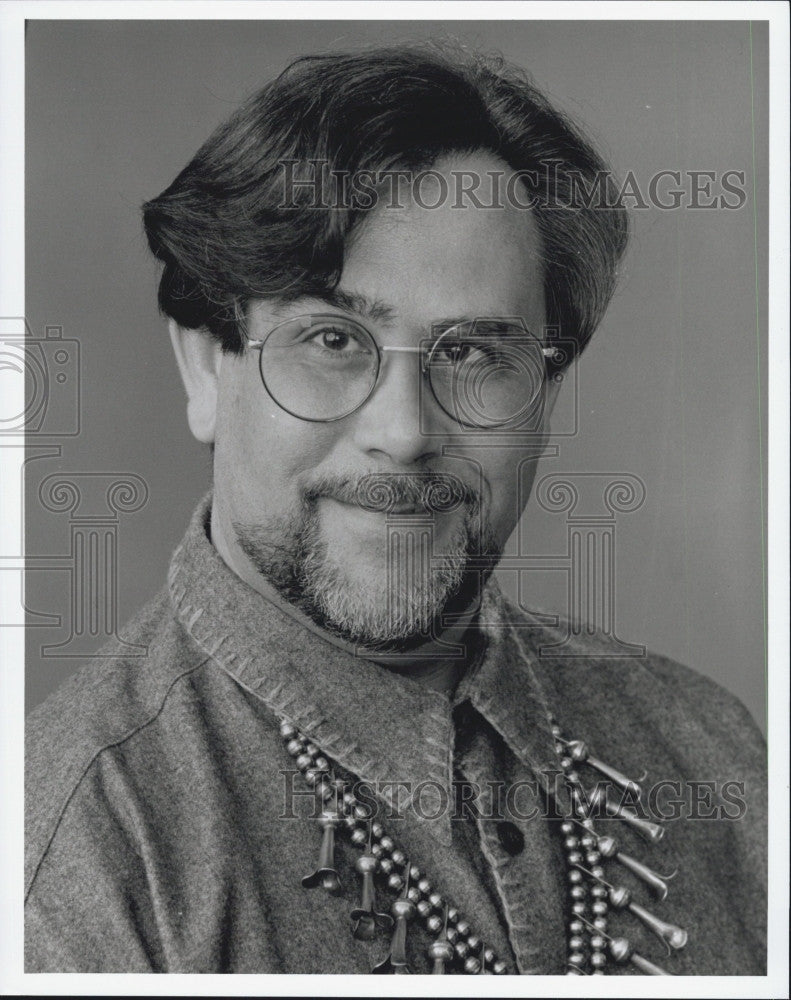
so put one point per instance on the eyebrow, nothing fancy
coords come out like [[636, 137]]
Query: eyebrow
[[355, 302]]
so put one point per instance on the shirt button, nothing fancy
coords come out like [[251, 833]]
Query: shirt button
[[511, 837]]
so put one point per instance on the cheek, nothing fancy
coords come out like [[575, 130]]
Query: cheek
[[261, 451], [510, 483]]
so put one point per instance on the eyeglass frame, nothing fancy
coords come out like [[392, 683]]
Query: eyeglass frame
[[381, 350]]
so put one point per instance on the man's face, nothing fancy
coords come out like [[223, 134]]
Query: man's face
[[285, 488]]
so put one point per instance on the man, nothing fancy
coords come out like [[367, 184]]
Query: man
[[346, 751]]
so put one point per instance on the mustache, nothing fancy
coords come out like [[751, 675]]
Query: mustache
[[383, 492]]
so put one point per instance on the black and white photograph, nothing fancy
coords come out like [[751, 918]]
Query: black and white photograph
[[395, 544]]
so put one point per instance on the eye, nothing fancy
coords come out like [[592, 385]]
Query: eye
[[458, 352], [336, 339]]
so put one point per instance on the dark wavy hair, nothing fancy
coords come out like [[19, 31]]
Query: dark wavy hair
[[224, 237]]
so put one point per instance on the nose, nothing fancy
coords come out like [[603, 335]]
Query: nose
[[400, 420]]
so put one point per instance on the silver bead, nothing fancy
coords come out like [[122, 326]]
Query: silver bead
[[413, 894], [436, 900], [395, 882], [453, 915], [321, 764], [294, 747], [607, 846], [577, 892], [461, 948], [376, 829], [598, 943], [599, 908], [499, 968], [600, 923], [462, 927], [360, 811], [574, 858], [588, 841], [579, 908], [424, 885], [621, 950], [567, 829], [440, 949], [414, 873], [387, 844], [556, 731], [474, 942], [472, 966], [598, 960], [576, 958], [398, 857], [599, 891], [597, 871], [571, 843], [325, 792], [576, 943], [423, 908], [573, 777], [578, 750], [377, 850], [403, 908], [359, 837], [489, 955], [287, 731], [576, 927], [452, 934], [620, 897], [366, 864], [312, 749], [434, 923], [593, 857], [304, 761], [349, 799], [351, 824], [386, 865], [566, 763], [575, 876]]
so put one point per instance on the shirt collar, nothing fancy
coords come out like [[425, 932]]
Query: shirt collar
[[377, 724]]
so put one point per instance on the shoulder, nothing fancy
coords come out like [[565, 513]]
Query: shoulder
[[628, 691], [115, 697]]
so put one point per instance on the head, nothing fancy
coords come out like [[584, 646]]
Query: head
[[411, 193]]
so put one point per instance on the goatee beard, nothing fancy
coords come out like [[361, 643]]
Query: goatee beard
[[418, 589]]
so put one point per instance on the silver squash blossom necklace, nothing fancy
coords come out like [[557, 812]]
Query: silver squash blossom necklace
[[456, 946]]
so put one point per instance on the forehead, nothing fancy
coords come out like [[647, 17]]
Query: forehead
[[458, 259]]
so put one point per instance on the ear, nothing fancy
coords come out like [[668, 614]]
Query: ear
[[199, 358]]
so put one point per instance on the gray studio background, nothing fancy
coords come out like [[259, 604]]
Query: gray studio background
[[669, 390]]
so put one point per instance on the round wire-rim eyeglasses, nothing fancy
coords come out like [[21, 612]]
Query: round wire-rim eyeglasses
[[467, 333]]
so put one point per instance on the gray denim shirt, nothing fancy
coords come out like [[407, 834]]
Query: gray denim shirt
[[166, 829]]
